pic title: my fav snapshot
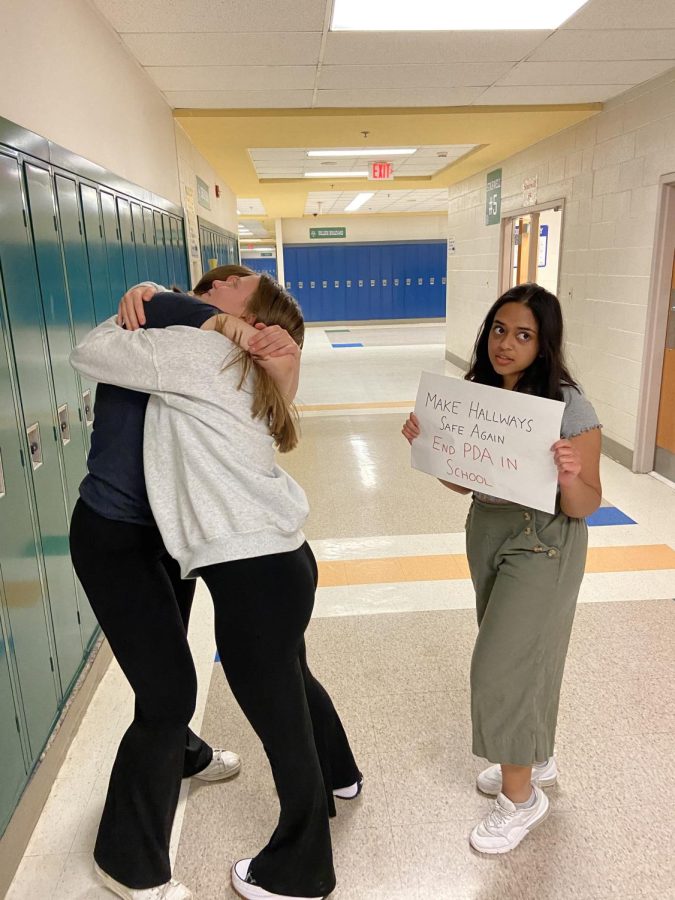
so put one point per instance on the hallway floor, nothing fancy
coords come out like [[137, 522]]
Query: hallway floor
[[391, 640]]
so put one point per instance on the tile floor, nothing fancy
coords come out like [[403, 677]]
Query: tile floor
[[395, 657]]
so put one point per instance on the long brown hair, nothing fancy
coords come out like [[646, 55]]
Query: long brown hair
[[271, 304], [220, 273]]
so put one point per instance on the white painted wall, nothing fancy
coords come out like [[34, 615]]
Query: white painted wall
[[607, 169], [368, 228]]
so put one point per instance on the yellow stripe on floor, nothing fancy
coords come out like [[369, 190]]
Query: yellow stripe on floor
[[385, 404], [449, 567]]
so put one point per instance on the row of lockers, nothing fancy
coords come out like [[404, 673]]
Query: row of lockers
[[68, 249], [266, 264], [352, 282], [219, 247]]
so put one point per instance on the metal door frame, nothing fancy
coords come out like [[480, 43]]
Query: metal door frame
[[655, 326]]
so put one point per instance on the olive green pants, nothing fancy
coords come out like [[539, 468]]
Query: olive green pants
[[526, 567]]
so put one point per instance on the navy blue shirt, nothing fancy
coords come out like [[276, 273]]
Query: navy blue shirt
[[115, 484]]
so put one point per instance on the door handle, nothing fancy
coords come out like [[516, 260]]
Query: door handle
[[64, 424], [35, 445], [88, 409]]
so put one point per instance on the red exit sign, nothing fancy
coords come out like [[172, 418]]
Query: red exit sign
[[381, 171]]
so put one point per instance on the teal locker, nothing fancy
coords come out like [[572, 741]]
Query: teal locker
[[151, 245], [98, 261], [140, 241], [66, 383], [168, 250], [162, 268], [113, 246], [23, 576], [11, 752], [40, 421], [180, 257], [128, 242]]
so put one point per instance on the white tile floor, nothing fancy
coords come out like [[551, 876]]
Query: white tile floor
[[58, 863]]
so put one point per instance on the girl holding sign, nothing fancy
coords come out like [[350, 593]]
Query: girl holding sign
[[526, 566]]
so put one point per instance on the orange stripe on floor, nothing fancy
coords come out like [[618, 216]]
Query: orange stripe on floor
[[449, 567], [385, 404]]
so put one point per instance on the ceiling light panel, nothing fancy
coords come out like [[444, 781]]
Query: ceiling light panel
[[380, 153], [439, 15], [285, 162]]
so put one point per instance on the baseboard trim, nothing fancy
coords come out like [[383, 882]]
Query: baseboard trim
[[15, 840], [456, 361]]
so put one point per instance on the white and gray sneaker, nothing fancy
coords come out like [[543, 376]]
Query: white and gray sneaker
[[490, 780], [507, 824], [252, 891], [172, 890], [224, 765]]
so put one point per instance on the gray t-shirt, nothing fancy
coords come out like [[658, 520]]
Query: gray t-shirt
[[579, 416]]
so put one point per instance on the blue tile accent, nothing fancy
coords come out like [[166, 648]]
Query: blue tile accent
[[347, 345], [609, 515]]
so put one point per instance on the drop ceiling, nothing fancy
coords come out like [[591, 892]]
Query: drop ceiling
[[249, 76]]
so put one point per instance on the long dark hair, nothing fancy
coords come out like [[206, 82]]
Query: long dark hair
[[548, 373]]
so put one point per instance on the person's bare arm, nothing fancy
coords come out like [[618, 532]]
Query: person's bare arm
[[283, 368], [130, 313], [578, 464]]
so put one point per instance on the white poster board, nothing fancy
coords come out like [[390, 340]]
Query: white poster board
[[493, 441]]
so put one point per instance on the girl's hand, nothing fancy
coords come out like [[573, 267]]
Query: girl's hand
[[272, 341], [411, 428], [130, 313], [568, 461]]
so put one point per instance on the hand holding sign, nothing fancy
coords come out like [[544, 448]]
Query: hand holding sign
[[491, 440]]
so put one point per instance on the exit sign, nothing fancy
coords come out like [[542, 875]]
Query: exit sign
[[381, 171]]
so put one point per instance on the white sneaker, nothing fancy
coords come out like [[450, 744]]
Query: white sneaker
[[351, 792], [224, 764], [254, 891], [172, 890], [490, 780], [506, 825]]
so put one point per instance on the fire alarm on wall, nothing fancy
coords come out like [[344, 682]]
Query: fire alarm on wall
[[217, 190]]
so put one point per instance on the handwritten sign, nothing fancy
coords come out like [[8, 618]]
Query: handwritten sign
[[493, 441]]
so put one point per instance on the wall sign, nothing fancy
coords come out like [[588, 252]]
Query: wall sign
[[203, 193], [319, 233], [530, 191], [493, 197], [380, 171]]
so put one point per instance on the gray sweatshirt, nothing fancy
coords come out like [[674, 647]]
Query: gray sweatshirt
[[215, 489]]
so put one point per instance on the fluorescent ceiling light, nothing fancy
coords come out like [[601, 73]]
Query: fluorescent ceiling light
[[265, 249], [439, 15], [359, 200], [382, 152], [336, 174]]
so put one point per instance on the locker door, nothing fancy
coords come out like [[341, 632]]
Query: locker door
[[67, 389], [77, 279], [182, 267], [178, 251], [375, 310], [11, 753], [162, 268], [128, 242], [385, 254], [140, 242], [151, 246], [168, 250], [24, 580], [98, 262], [113, 246], [41, 422]]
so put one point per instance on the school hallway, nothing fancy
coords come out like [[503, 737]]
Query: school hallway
[[391, 640]]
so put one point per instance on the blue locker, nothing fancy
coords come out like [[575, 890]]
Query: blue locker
[[98, 261], [140, 243]]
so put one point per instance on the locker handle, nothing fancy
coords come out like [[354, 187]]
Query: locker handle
[[2, 479], [88, 416], [35, 445], [64, 423]]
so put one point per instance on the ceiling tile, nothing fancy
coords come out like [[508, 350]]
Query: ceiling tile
[[365, 97], [612, 14], [598, 45], [196, 49], [235, 78], [380, 48], [233, 16], [239, 99], [396, 76], [538, 94], [579, 72]]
